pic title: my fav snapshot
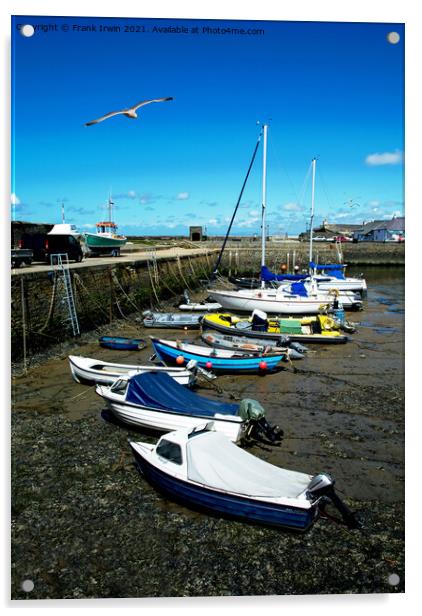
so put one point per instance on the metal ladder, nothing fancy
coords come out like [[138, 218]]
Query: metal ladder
[[60, 264]]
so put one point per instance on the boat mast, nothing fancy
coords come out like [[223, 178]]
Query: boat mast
[[311, 230], [110, 208], [264, 197]]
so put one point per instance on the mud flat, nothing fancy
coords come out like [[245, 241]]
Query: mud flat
[[86, 524]]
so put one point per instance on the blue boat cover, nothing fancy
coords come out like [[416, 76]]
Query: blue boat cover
[[159, 390], [335, 269], [298, 288], [267, 275]]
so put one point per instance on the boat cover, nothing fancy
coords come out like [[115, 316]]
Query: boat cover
[[298, 288], [213, 460], [335, 269], [159, 390], [267, 275]]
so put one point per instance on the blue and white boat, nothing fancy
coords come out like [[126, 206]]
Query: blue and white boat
[[219, 360], [203, 469], [156, 401], [122, 344]]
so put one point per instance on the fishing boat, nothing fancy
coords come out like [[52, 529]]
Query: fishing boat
[[248, 345], [155, 400], [318, 329], [172, 320], [122, 344], [202, 468], [87, 369], [106, 239], [219, 360]]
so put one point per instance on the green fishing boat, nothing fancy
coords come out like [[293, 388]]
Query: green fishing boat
[[106, 239]]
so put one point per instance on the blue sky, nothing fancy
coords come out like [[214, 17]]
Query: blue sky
[[331, 90]]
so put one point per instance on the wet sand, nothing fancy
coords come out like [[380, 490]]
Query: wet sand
[[86, 524]]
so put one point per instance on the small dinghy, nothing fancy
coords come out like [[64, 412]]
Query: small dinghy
[[203, 469], [155, 400], [172, 320], [122, 344], [248, 345], [205, 306], [219, 360], [90, 370], [320, 328]]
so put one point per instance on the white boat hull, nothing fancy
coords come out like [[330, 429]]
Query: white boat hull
[[106, 373], [163, 421], [249, 302], [349, 284]]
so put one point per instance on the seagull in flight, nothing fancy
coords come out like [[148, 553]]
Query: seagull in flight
[[130, 112]]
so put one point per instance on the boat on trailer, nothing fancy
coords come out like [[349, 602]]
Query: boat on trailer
[[201, 468], [155, 400], [218, 360], [89, 370]]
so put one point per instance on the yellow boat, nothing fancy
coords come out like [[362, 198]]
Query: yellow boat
[[320, 328]]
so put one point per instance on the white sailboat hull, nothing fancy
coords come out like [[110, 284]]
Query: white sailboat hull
[[349, 284], [249, 301]]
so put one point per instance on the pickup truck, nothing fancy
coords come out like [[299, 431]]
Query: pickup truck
[[21, 256]]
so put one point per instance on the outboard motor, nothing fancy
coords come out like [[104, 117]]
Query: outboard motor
[[259, 428], [259, 321], [322, 485], [186, 296]]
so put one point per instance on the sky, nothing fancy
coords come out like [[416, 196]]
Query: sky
[[333, 91]]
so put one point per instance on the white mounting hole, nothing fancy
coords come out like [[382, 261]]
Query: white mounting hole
[[28, 585], [393, 579], [27, 30], [393, 37]]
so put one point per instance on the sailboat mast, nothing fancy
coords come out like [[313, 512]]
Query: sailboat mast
[[264, 196], [311, 230]]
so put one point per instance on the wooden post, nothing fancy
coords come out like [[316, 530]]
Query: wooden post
[[23, 322]]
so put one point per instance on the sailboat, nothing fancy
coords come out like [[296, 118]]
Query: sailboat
[[301, 297], [106, 239], [328, 276]]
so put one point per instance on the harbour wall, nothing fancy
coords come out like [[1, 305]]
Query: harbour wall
[[102, 293]]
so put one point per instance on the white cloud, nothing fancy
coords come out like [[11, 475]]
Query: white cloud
[[14, 199], [292, 207], [88, 226], [182, 196], [251, 222], [384, 158]]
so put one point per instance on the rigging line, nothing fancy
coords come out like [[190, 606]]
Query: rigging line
[[279, 163], [320, 176], [214, 273]]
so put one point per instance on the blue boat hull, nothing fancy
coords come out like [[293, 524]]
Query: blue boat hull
[[122, 344], [226, 504], [245, 365]]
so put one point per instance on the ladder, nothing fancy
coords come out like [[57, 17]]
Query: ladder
[[60, 265]]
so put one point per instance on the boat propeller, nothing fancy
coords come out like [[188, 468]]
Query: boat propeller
[[322, 487]]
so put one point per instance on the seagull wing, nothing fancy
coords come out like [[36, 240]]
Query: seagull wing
[[152, 100], [104, 117]]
